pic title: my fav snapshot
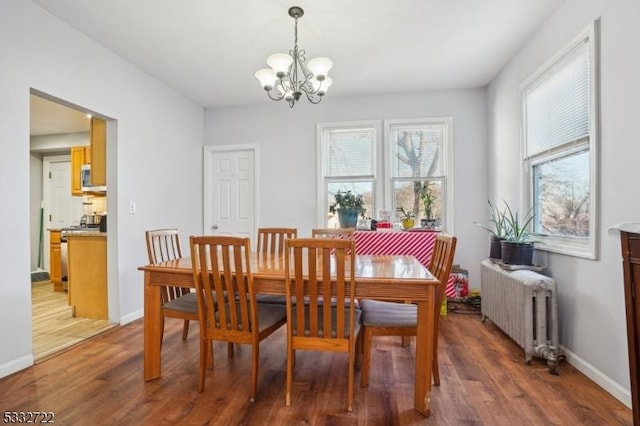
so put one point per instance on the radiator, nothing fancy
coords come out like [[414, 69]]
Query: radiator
[[524, 305]]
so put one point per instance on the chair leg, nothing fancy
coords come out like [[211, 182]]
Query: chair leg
[[230, 352], [358, 351], [290, 360], [204, 354], [255, 360], [366, 357], [162, 331], [350, 378], [210, 354], [185, 329]]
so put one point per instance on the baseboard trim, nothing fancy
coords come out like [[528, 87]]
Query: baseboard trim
[[131, 317], [618, 392], [16, 365]]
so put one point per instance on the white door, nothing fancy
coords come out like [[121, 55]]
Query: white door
[[230, 194], [61, 209]]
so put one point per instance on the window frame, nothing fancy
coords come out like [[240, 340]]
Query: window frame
[[447, 164], [382, 167], [322, 145], [573, 246]]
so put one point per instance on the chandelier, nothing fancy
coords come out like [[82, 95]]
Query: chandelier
[[290, 76]]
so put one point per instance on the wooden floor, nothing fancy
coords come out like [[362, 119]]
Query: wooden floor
[[484, 381], [54, 327]]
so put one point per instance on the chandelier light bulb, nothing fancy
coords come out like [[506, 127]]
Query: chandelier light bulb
[[267, 78], [280, 63], [320, 67]]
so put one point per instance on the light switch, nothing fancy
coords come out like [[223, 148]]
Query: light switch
[[132, 207]]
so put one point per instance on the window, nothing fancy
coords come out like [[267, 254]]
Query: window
[[391, 171], [560, 137]]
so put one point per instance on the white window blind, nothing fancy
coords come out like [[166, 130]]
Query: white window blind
[[350, 152], [558, 103]]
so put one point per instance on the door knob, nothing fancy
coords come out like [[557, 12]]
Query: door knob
[[214, 227]]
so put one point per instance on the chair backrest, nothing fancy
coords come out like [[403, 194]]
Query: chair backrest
[[322, 273], [221, 267], [441, 262], [271, 240], [163, 245], [340, 233]]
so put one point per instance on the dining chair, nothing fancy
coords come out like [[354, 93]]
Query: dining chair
[[341, 233], [315, 267], [400, 319], [226, 298], [271, 240], [177, 302]]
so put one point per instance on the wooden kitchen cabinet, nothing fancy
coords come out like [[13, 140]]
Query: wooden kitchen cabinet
[[98, 151], [87, 275], [55, 265], [79, 155]]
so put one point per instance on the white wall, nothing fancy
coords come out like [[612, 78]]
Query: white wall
[[287, 139], [591, 299], [154, 159]]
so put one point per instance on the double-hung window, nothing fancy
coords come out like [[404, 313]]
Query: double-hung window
[[391, 169], [560, 123]]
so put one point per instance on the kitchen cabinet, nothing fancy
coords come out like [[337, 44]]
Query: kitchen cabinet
[[79, 155], [87, 275], [98, 151], [55, 265]]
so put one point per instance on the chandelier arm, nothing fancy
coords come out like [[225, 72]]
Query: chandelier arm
[[277, 98], [313, 98]]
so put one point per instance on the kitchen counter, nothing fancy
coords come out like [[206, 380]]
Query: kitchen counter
[[88, 273]]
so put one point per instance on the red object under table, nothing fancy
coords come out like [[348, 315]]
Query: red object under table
[[418, 243]]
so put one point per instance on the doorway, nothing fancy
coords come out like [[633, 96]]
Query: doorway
[[56, 126]]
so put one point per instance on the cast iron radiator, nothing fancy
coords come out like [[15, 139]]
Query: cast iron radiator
[[524, 305]]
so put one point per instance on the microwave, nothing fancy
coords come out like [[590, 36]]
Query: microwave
[[85, 179]]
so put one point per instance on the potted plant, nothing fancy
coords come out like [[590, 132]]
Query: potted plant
[[498, 229], [517, 248], [428, 198], [406, 218], [348, 206]]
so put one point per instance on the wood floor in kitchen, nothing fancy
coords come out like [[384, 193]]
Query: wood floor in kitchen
[[54, 327]]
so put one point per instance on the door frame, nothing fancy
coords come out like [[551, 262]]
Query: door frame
[[46, 202], [207, 169]]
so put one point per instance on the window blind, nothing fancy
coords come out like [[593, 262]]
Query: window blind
[[558, 103]]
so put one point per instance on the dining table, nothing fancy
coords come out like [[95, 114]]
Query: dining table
[[380, 277]]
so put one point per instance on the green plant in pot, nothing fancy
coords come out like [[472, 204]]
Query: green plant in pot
[[348, 206], [498, 228], [428, 199], [406, 218], [517, 248]]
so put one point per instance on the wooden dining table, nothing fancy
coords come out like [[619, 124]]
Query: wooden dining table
[[379, 277]]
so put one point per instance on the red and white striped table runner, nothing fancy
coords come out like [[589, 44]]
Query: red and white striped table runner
[[415, 243]]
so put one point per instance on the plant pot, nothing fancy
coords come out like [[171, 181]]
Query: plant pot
[[407, 223], [496, 247], [517, 253], [348, 218]]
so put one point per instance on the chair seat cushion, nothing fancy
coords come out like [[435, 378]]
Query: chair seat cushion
[[334, 315], [376, 313], [186, 303], [273, 298], [268, 315]]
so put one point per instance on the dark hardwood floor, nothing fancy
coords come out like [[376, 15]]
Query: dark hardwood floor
[[484, 381]]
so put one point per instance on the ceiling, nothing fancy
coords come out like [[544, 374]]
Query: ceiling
[[52, 118], [209, 50]]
